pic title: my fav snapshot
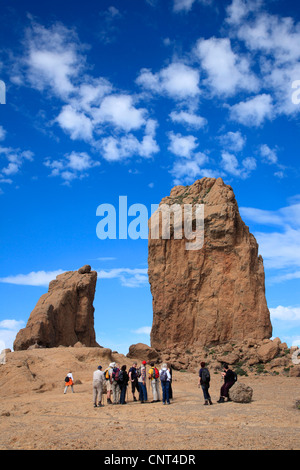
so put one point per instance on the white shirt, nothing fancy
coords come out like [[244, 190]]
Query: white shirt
[[98, 376]]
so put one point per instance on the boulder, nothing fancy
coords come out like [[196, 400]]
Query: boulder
[[143, 352], [216, 293], [64, 315], [268, 351], [241, 393]]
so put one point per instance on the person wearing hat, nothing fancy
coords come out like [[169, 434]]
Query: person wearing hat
[[108, 378], [98, 382], [142, 383]]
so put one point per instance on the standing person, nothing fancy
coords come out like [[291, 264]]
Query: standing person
[[142, 383], [107, 374], [69, 381], [229, 380], [98, 382], [123, 382], [133, 380], [204, 382], [165, 379], [170, 387], [153, 375], [115, 385]]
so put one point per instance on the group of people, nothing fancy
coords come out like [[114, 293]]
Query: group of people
[[114, 381], [229, 378]]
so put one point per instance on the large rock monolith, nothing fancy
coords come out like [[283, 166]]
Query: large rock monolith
[[64, 315], [212, 295]]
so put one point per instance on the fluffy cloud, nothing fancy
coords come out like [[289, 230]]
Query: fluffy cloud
[[182, 146], [127, 276], [188, 119], [178, 81], [35, 278], [233, 141], [231, 165], [73, 166], [8, 331], [254, 111], [227, 72], [280, 248], [119, 111]]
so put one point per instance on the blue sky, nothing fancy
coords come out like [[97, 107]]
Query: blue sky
[[112, 98]]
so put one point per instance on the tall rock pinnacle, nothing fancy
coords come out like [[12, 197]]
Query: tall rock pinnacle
[[212, 295]]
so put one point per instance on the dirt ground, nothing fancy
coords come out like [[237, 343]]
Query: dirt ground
[[35, 416]]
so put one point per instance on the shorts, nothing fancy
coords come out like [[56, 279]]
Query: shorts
[[108, 386]]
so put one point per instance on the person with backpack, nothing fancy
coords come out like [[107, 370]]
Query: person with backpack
[[154, 380], [165, 379], [107, 375], [123, 382], [69, 381], [132, 373], [115, 385], [204, 382], [230, 378], [141, 373], [98, 382]]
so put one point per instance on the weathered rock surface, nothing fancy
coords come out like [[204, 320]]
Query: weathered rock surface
[[143, 352], [241, 393], [213, 295], [65, 315]]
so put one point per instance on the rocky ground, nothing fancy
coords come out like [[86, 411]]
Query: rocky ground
[[35, 414]]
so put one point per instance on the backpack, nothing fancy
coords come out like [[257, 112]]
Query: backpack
[[205, 376], [234, 376], [116, 374], [155, 373], [106, 374], [138, 372], [121, 376], [67, 379], [163, 376]]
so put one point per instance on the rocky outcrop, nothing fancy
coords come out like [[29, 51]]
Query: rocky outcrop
[[143, 352], [212, 295], [65, 315]]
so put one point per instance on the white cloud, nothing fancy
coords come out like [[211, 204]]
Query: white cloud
[[253, 111], [186, 5], [72, 166], [178, 81], [182, 146], [119, 111], [53, 58], [2, 133], [8, 332], [126, 146], [238, 10], [281, 248], [144, 330], [233, 141], [186, 171], [231, 165], [38, 278], [15, 159], [227, 72], [77, 124], [268, 155], [127, 276], [188, 119]]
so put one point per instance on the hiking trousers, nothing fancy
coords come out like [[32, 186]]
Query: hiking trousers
[[166, 391], [205, 392], [225, 389], [97, 392], [155, 389], [116, 392]]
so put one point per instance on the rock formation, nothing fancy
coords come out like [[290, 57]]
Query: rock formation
[[63, 316], [213, 295]]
